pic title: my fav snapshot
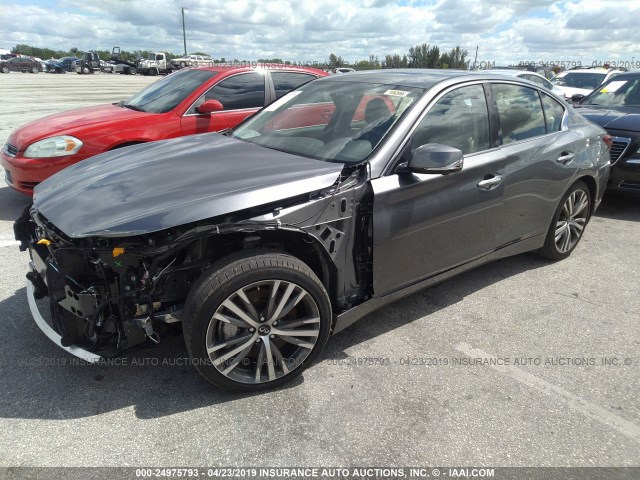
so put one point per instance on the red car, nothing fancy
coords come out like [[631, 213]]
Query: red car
[[194, 100]]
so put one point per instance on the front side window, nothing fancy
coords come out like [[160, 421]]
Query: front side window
[[520, 112], [245, 90], [460, 119]]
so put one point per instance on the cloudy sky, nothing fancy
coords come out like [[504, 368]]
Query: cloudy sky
[[506, 31]]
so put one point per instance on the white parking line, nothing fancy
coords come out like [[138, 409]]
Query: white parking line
[[8, 243], [575, 402]]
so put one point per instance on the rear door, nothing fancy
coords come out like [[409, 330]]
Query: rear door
[[241, 95], [540, 159], [425, 224]]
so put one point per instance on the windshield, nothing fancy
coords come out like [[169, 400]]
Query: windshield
[[330, 120], [166, 94], [587, 80], [617, 92]]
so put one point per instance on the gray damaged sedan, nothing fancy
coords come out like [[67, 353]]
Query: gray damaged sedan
[[342, 196]]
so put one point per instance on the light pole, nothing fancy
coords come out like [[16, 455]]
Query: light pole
[[184, 36]]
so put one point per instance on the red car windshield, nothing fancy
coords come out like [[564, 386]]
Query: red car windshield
[[166, 94]]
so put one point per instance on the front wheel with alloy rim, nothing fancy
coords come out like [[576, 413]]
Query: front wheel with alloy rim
[[256, 322], [568, 223]]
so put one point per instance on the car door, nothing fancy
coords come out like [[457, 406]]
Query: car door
[[424, 224], [241, 95], [540, 159]]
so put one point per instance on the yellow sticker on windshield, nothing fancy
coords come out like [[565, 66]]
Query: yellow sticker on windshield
[[396, 93], [613, 87]]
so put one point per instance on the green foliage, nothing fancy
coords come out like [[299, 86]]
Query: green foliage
[[335, 61]]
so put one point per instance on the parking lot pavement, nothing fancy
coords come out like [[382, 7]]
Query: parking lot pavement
[[421, 382]]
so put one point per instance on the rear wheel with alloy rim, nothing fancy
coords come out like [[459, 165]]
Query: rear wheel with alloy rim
[[568, 223], [256, 322]]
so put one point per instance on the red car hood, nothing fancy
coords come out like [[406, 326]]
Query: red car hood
[[72, 122]]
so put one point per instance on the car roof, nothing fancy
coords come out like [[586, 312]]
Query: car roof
[[635, 73], [588, 70], [409, 77], [271, 67], [513, 73]]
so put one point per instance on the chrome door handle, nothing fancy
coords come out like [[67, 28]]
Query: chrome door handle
[[566, 157], [490, 183]]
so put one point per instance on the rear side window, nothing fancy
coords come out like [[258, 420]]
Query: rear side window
[[284, 82], [520, 112], [245, 90], [460, 119], [553, 113]]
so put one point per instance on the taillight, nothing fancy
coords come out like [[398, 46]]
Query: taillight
[[608, 140]]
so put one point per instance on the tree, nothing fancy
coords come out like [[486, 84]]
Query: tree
[[335, 61], [271, 60]]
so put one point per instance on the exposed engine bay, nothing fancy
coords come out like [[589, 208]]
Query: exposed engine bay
[[110, 294]]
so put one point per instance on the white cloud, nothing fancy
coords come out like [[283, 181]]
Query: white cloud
[[505, 30]]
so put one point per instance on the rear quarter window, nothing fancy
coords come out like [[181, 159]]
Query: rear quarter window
[[553, 113]]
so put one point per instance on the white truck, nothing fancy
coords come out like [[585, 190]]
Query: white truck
[[156, 63]]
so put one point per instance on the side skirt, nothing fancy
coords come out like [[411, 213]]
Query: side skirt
[[351, 316]]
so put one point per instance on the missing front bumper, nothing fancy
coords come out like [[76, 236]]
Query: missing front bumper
[[52, 334]]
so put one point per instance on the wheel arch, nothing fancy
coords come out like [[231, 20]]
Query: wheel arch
[[295, 243], [593, 190], [127, 144]]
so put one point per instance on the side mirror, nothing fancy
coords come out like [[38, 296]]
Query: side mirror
[[577, 97], [210, 106], [435, 158]]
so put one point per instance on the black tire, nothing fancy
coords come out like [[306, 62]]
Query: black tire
[[34, 70], [153, 72], [565, 233], [270, 283], [182, 64], [5, 69]]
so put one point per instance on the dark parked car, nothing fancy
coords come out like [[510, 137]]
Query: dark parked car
[[615, 106], [346, 194], [69, 63], [54, 66], [20, 64]]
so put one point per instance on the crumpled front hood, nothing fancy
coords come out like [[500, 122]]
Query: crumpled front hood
[[622, 118], [154, 186], [71, 122]]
